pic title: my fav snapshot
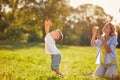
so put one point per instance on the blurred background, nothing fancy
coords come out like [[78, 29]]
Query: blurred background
[[22, 52], [23, 20]]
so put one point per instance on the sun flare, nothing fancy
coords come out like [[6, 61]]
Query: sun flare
[[111, 7]]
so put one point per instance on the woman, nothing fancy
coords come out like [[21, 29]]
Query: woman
[[106, 54]]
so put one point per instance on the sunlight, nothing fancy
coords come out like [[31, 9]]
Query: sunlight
[[110, 6]]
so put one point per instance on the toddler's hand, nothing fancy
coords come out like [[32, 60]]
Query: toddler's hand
[[48, 23]]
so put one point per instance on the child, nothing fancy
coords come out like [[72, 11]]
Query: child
[[50, 46], [106, 54]]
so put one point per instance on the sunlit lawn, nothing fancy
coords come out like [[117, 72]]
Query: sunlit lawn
[[29, 62]]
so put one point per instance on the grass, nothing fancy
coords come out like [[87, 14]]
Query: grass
[[21, 61]]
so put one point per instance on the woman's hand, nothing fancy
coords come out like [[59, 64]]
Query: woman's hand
[[95, 30], [104, 42], [100, 37]]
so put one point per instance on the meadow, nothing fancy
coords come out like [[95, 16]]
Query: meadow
[[23, 61]]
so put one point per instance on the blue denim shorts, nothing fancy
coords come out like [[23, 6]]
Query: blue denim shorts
[[55, 61]]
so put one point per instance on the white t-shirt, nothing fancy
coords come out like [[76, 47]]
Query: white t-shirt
[[50, 47]]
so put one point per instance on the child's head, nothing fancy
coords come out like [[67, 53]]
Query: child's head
[[57, 35], [109, 29]]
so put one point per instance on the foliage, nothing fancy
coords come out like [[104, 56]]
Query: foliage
[[21, 61], [29, 15], [34, 37], [118, 34], [3, 36], [23, 20], [78, 29]]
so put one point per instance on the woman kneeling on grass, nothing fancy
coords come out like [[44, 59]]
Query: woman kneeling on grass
[[106, 54]]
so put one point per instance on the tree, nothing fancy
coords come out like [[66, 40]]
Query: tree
[[81, 21], [27, 16], [54, 10]]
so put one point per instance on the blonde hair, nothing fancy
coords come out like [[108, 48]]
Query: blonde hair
[[113, 29]]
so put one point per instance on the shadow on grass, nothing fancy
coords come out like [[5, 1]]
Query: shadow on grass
[[11, 45], [103, 78], [53, 78], [116, 78]]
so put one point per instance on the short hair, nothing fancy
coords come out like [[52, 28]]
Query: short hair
[[61, 34]]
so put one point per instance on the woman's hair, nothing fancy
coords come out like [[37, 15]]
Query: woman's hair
[[113, 29]]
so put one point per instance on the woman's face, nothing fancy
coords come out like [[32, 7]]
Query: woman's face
[[107, 29]]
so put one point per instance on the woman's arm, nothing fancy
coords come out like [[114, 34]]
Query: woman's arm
[[93, 40], [104, 42], [94, 31], [108, 50]]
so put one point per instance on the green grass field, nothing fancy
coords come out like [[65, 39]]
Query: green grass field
[[29, 62]]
